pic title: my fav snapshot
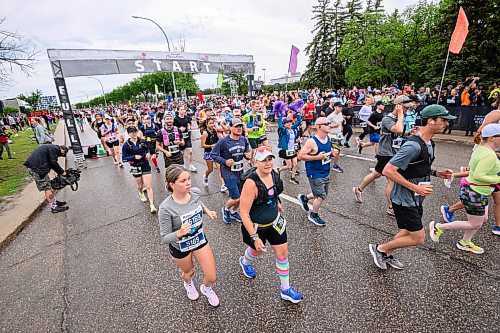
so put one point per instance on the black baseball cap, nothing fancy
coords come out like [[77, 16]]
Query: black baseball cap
[[377, 103], [337, 104], [131, 129]]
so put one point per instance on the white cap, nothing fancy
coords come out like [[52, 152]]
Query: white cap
[[262, 153], [490, 130]]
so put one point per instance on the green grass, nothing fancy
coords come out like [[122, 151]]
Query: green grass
[[13, 174]]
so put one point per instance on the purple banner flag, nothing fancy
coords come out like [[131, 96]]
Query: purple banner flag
[[292, 66]]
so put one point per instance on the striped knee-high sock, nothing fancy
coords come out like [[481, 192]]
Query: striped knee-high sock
[[282, 270], [249, 256]]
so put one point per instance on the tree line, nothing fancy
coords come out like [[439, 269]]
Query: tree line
[[360, 43]]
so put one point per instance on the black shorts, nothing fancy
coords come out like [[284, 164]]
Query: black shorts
[[309, 122], [409, 218], [381, 163], [146, 170], [151, 147], [265, 234], [254, 143], [181, 255], [113, 144], [187, 144], [282, 154], [177, 158]]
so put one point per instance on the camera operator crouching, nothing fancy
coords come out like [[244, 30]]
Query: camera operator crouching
[[39, 163]]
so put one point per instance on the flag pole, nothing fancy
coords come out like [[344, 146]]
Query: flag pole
[[442, 77]]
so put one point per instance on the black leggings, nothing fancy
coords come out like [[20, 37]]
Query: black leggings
[[347, 132], [366, 131]]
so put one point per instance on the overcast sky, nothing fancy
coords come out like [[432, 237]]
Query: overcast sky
[[265, 29]]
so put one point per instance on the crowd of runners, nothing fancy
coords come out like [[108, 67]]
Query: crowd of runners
[[235, 144]]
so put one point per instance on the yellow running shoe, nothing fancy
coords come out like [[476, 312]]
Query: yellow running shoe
[[153, 209], [470, 247], [142, 196], [435, 231]]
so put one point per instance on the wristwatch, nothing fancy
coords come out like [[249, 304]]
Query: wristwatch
[[254, 237]]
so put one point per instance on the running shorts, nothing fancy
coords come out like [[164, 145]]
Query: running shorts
[[177, 254], [474, 203], [409, 218], [265, 234]]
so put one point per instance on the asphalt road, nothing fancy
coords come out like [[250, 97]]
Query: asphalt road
[[100, 267]]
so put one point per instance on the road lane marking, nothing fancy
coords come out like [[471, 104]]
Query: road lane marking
[[292, 199]]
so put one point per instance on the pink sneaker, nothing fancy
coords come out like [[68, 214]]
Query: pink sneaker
[[213, 299], [192, 293]]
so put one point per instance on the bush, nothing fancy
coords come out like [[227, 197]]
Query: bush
[[10, 109]]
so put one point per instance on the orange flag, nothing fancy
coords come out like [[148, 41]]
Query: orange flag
[[460, 32]]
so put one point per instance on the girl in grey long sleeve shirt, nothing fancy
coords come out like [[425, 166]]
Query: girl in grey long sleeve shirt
[[181, 227]]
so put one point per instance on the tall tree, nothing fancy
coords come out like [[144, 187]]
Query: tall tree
[[319, 70], [32, 98], [479, 55], [15, 52]]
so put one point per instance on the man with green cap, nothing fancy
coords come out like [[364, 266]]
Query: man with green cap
[[410, 169]]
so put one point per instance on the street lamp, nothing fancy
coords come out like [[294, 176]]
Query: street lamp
[[102, 88], [264, 70], [168, 44]]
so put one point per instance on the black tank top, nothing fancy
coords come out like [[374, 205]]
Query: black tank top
[[266, 212], [212, 139]]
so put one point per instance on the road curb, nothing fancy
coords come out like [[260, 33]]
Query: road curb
[[16, 217]]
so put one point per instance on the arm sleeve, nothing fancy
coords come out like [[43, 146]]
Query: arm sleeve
[[280, 122], [298, 122], [215, 153], [53, 161], [482, 172], [167, 235]]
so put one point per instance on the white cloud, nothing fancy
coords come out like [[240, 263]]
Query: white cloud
[[264, 29]]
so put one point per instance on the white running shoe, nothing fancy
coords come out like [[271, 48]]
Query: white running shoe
[[192, 168], [223, 188], [212, 297], [205, 181], [191, 291]]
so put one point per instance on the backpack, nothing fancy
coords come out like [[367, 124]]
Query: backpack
[[72, 177], [91, 152], [262, 195]]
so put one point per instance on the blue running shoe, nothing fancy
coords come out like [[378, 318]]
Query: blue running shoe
[[248, 270], [291, 295], [496, 230], [236, 217], [337, 168], [226, 215], [447, 215]]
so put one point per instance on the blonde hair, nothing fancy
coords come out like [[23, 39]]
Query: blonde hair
[[172, 173]]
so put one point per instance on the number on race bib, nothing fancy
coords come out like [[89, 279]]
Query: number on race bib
[[173, 149], [237, 166], [279, 224]]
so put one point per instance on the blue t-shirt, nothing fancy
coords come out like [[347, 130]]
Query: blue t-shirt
[[226, 149]]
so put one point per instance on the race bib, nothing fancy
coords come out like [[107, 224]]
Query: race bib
[[327, 159], [173, 149], [279, 224], [379, 124], [396, 143], [194, 217], [192, 242], [148, 139], [290, 153], [135, 170], [411, 125], [363, 124], [296, 146], [263, 137], [237, 166], [185, 135]]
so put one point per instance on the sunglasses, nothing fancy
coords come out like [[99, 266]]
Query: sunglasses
[[328, 123]]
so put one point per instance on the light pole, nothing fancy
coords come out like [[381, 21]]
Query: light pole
[[102, 88], [264, 70], [88, 102], [168, 44]]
